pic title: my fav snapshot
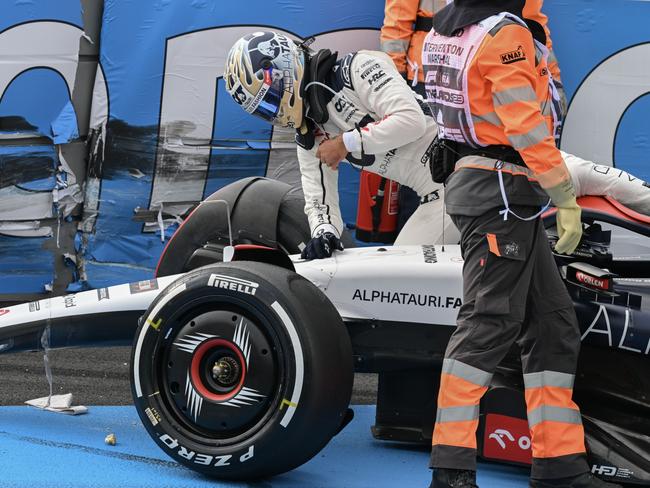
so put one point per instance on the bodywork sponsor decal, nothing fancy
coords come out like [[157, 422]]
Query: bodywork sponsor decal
[[611, 471], [103, 294], [507, 438], [612, 321], [70, 301], [34, 306], [4, 311], [403, 298], [143, 286], [429, 253]]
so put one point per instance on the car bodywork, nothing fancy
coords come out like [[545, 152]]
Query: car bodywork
[[400, 304]]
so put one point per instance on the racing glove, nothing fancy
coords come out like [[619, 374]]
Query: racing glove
[[321, 246], [569, 224]]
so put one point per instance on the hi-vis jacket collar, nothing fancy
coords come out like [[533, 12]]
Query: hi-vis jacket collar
[[462, 13]]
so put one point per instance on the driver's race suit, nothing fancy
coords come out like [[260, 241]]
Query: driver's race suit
[[597, 179], [395, 132], [396, 136]]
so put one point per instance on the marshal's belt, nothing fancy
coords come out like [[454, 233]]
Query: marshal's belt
[[500, 152], [424, 24], [445, 153]]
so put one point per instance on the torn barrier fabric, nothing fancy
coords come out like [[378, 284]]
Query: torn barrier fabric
[[114, 119], [173, 135], [39, 46]]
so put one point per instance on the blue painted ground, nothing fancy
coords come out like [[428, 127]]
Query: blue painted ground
[[42, 449]]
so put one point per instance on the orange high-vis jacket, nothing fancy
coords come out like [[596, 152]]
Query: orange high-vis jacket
[[518, 94], [533, 11], [399, 37]]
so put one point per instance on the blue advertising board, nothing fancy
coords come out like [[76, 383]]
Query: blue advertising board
[[163, 133]]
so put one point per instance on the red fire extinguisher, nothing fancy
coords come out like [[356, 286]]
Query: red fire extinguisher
[[378, 208]]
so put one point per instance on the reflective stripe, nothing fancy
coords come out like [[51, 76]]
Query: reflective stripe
[[493, 32], [466, 372], [539, 55], [480, 162], [547, 108], [438, 5], [459, 434], [490, 117], [394, 46], [530, 138], [457, 414], [551, 57], [512, 95], [548, 378], [426, 5], [553, 414]]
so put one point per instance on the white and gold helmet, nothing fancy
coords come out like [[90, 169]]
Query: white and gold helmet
[[263, 74]]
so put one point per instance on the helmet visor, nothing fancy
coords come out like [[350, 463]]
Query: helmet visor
[[266, 103]]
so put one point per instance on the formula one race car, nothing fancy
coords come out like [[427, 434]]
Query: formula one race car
[[243, 357]]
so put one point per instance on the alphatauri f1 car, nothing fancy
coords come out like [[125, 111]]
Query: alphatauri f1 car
[[243, 360]]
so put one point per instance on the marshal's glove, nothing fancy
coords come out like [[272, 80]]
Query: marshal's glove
[[569, 227], [569, 224], [321, 246]]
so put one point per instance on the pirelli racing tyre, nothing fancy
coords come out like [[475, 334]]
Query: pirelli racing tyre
[[200, 240], [241, 370]]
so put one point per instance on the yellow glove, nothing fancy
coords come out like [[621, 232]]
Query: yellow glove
[[569, 225]]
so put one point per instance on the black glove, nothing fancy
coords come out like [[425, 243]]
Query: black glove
[[321, 246]]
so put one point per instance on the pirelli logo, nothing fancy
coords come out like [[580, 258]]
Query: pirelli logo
[[513, 56], [234, 284]]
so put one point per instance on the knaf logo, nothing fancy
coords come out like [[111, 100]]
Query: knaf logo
[[513, 56], [234, 284]]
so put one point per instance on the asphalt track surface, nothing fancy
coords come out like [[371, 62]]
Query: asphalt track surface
[[97, 376]]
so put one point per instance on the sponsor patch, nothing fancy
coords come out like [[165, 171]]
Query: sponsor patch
[[382, 84], [143, 286], [511, 249], [344, 72], [234, 284], [513, 56]]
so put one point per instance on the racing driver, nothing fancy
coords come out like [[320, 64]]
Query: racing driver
[[357, 108]]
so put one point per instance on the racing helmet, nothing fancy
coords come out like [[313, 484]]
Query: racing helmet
[[263, 74]]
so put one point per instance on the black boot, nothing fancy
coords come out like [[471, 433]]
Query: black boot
[[453, 478], [584, 480]]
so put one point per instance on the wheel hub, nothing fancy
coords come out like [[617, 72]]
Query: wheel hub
[[220, 373], [226, 371]]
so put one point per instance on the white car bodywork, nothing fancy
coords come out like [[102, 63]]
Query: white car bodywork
[[414, 284]]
